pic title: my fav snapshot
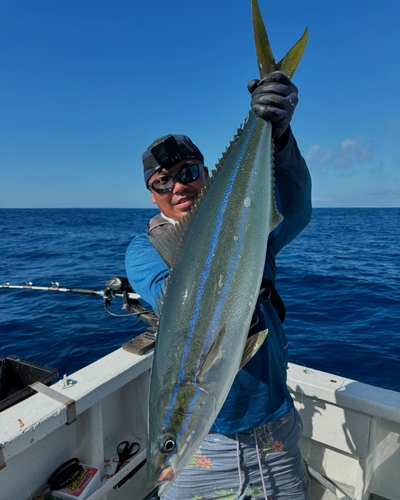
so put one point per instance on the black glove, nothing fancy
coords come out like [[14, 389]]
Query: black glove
[[274, 98]]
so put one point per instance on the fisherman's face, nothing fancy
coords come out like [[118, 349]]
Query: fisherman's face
[[177, 202]]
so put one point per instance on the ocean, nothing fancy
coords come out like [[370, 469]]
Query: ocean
[[339, 280]]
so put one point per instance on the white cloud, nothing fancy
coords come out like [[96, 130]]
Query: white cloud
[[352, 151], [348, 153], [388, 196], [317, 157]]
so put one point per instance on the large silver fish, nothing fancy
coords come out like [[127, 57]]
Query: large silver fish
[[216, 255]]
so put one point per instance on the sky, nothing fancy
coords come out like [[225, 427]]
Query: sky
[[87, 85]]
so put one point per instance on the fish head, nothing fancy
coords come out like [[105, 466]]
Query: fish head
[[176, 432]]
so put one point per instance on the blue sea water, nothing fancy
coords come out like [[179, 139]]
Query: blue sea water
[[339, 280]]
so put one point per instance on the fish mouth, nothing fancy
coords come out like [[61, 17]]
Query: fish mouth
[[167, 474], [165, 478]]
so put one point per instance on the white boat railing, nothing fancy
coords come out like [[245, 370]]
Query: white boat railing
[[351, 431], [110, 399]]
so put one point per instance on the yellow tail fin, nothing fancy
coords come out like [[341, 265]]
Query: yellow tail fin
[[266, 61]]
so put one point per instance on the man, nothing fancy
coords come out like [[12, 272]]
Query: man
[[252, 450]]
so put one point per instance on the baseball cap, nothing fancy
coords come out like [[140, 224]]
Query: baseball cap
[[167, 151]]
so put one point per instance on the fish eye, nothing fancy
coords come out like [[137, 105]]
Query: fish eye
[[168, 445]]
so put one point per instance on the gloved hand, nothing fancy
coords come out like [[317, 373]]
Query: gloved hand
[[274, 98]]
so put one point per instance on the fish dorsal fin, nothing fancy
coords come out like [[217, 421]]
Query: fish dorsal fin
[[167, 243], [265, 57], [160, 298], [228, 149], [213, 355], [252, 345]]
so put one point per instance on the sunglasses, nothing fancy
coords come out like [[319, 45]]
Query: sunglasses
[[166, 183]]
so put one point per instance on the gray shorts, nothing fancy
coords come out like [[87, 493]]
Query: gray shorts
[[263, 463]]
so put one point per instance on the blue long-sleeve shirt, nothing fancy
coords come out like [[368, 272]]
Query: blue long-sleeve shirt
[[259, 393]]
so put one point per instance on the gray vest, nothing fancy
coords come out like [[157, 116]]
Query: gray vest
[[158, 225]]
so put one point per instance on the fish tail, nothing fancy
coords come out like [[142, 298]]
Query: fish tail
[[265, 57]]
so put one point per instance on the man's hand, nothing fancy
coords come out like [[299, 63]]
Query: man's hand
[[274, 98]]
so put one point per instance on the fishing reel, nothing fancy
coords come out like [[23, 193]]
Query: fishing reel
[[120, 286], [117, 284]]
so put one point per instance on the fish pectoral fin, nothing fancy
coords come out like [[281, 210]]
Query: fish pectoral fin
[[213, 355], [252, 345]]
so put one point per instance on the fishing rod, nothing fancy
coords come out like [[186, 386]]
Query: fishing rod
[[117, 286], [55, 287]]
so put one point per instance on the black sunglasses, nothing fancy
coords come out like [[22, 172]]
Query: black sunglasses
[[188, 173]]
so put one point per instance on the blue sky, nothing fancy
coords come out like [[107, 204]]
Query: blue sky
[[87, 85]]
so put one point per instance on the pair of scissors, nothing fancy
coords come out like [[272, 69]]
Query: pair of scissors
[[124, 450]]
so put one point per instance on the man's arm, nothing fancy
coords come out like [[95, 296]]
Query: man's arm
[[146, 271], [274, 98], [293, 194]]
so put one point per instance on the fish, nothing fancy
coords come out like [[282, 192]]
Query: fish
[[216, 257]]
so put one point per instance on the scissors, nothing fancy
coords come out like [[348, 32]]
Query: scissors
[[124, 450]]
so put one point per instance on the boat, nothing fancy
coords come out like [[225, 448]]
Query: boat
[[350, 443]]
